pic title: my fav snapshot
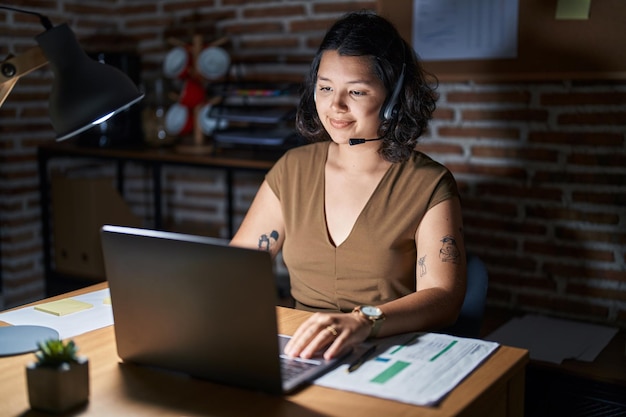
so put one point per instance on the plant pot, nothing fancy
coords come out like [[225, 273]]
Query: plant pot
[[56, 390]]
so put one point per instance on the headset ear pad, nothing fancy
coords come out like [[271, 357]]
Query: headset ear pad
[[388, 111]]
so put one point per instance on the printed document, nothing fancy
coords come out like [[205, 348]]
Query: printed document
[[552, 339], [75, 319], [417, 368]]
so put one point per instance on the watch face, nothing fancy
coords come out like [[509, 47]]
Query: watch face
[[371, 311]]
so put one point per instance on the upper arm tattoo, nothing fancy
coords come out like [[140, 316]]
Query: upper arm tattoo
[[449, 251], [422, 264], [267, 241]]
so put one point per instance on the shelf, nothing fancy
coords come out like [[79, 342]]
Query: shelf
[[252, 114]]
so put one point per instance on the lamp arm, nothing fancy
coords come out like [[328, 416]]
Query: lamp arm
[[42, 18], [17, 66]]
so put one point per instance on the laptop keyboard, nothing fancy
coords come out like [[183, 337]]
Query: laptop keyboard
[[292, 367]]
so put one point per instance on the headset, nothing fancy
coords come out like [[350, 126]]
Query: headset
[[388, 110]]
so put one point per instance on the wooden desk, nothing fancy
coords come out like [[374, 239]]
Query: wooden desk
[[495, 389]]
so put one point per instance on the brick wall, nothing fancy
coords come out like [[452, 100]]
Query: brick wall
[[541, 165], [543, 178]]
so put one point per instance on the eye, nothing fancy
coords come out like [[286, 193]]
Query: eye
[[357, 93], [321, 88]]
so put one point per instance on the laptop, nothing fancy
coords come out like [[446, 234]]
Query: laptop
[[196, 305]]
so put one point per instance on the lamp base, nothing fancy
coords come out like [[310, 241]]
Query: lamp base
[[15, 340]]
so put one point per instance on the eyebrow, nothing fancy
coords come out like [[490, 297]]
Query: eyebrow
[[359, 81]]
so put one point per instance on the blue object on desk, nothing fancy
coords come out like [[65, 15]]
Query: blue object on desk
[[15, 340]]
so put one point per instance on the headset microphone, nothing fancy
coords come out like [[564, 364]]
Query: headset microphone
[[358, 141]]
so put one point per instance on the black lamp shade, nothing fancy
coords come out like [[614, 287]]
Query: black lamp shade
[[84, 90]]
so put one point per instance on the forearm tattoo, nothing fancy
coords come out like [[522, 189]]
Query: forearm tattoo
[[449, 251], [266, 241]]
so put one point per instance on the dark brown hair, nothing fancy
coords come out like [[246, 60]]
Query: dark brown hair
[[367, 34]]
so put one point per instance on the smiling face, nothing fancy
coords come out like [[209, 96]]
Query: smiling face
[[348, 97]]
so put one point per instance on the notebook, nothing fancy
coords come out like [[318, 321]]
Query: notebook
[[195, 305]]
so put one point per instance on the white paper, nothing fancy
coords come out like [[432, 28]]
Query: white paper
[[553, 340], [462, 29], [416, 369], [70, 325]]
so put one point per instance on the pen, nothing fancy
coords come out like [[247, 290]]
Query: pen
[[361, 359]]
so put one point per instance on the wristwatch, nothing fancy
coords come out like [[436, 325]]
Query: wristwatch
[[372, 313]]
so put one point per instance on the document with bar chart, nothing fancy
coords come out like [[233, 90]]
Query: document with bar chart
[[417, 368]]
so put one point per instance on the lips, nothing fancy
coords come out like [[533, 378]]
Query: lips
[[339, 124]]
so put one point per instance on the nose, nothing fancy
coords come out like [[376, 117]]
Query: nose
[[338, 102]]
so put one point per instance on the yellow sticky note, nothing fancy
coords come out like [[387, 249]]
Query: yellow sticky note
[[573, 9], [63, 307]]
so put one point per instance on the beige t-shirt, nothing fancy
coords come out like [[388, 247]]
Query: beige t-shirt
[[376, 263]]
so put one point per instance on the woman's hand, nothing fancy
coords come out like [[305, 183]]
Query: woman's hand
[[337, 331]]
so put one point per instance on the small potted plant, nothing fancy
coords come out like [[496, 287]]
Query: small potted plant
[[59, 379]]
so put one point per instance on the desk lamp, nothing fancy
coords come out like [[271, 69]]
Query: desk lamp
[[84, 93]]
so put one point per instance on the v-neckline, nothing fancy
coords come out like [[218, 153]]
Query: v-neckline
[[368, 202]]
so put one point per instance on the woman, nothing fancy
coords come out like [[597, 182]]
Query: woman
[[371, 232]]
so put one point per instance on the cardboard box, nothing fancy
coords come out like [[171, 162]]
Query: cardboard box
[[80, 207]]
